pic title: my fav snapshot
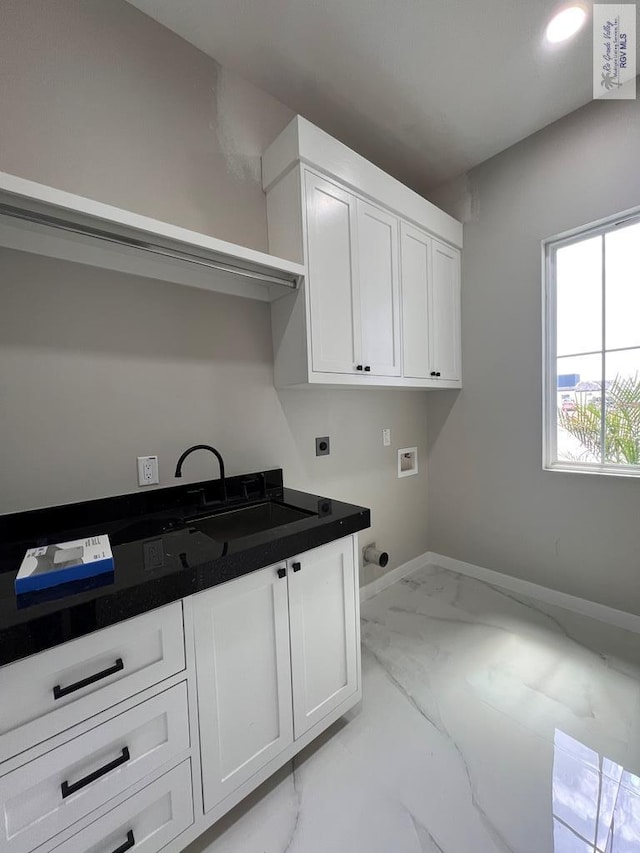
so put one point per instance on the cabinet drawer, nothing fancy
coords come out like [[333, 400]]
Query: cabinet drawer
[[146, 822], [52, 691], [50, 793]]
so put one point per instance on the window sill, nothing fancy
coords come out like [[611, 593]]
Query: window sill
[[630, 471]]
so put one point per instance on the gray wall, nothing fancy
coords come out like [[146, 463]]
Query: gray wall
[[490, 501], [100, 100], [97, 368]]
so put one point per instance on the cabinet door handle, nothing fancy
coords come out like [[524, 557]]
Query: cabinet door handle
[[296, 567], [438, 373], [128, 844], [367, 368], [358, 367], [59, 692], [68, 789], [433, 373], [282, 573]]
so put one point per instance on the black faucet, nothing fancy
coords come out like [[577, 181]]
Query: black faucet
[[190, 450]]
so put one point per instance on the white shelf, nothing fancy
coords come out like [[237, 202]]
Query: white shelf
[[46, 221]]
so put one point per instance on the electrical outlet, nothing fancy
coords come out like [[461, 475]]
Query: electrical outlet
[[323, 446], [386, 437], [148, 470]]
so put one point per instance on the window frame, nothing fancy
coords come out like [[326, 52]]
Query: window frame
[[549, 248]]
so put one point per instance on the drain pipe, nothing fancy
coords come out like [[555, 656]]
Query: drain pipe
[[372, 555]]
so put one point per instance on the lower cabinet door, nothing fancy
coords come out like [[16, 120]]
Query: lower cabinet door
[[244, 678], [50, 793], [145, 823], [324, 631]]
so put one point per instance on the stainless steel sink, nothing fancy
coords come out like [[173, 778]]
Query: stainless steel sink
[[246, 521]]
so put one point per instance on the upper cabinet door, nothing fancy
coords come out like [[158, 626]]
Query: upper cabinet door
[[333, 276], [444, 308], [416, 275], [244, 678], [379, 290]]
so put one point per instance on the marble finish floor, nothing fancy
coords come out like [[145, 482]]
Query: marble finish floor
[[490, 723]]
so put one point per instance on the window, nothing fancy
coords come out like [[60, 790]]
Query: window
[[592, 350]]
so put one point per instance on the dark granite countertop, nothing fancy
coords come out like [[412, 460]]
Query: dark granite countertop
[[159, 555]]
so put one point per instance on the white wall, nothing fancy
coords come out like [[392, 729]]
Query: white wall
[[99, 100], [490, 501], [97, 368]]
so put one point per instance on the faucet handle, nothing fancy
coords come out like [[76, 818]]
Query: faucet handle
[[254, 479], [199, 493]]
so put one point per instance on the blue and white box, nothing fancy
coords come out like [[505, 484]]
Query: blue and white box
[[51, 565]]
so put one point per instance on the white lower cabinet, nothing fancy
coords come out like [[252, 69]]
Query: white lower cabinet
[[144, 823], [50, 793], [67, 684], [244, 678], [324, 631], [270, 660], [276, 652]]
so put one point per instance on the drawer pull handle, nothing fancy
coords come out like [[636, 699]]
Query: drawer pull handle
[[128, 844], [296, 567], [68, 789], [59, 692]]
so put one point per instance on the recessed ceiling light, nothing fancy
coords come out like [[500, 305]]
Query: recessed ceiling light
[[566, 24]]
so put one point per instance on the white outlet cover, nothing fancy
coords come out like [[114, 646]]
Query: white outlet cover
[[386, 437], [148, 474]]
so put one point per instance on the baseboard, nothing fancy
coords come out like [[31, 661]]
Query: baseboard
[[619, 618], [408, 568]]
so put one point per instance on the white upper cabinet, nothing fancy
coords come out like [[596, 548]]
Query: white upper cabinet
[[333, 276], [380, 305], [430, 308], [416, 273], [353, 281], [444, 309], [379, 290]]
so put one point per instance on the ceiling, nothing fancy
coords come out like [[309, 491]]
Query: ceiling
[[424, 88]]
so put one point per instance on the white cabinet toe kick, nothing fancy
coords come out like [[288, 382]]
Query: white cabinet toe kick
[[142, 735]]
